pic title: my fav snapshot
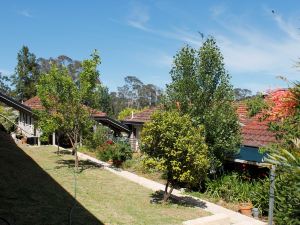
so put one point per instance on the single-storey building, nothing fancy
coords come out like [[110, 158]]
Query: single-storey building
[[26, 125], [135, 123], [255, 134]]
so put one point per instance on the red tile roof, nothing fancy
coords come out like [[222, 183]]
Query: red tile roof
[[35, 104], [254, 131], [141, 117]]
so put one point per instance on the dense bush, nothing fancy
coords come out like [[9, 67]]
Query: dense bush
[[7, 118], [178, 146], [233, 188], [256, 105], [97, 138], [287, 199], [117, 152]]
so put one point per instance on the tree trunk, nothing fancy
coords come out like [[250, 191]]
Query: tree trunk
[[76, 160], [166, 193], [57, 140], [75, 151]]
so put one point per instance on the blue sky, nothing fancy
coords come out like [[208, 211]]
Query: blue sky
[[140, 38]]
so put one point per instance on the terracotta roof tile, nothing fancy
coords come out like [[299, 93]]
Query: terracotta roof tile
[[35, 104], [255, 131], [141, 117]]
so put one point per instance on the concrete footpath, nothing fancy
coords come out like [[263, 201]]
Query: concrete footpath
[[234, 217]]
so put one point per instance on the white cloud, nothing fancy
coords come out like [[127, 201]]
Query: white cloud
[[217, 10], [250, 50], [138, 17], [246, 48], [25, 13]]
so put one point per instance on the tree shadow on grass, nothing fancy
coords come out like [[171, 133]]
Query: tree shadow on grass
[[83, 164], [28, 195], [64, 152], [157, 197]]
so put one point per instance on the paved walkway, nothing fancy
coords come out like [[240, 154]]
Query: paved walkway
[[235, 217]]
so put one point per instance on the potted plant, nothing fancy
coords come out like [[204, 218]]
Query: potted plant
[[246, 208]]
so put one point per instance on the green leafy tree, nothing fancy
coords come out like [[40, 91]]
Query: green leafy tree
[[240, 93], [200, 87], [134, 94], [7, 118], [74, 67], [26, 75], [64, 101], [4, 84], [102, 99], [256, 104], [178, 146], [127, 112]]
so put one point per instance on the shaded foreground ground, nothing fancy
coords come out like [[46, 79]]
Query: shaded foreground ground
[[31, 196], [28, 195]]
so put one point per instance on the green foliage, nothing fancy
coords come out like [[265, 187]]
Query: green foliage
[[200, 87], [233, 188], [134, 94], [127, 112], [178, 146], [287, 199], [7, 118], [26, 75], [4, 84], [96, 138], [117, 152], [255, 105], [103, 99], [286, 156], [64, 100], [74, 67]]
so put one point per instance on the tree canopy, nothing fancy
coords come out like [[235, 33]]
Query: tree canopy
[[64, 100], [26, 75], [134, 94], [201, 88], [178, 146]]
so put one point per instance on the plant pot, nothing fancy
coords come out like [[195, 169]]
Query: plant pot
[[245, 208], [23, 140], [255, 213]]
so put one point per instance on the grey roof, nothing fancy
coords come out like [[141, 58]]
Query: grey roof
[[15, 104]]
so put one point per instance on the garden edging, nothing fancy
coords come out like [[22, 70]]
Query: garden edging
[[235, 217]]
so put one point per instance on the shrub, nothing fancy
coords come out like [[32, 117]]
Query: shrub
[[178, 146], [256, 105], [287, 199], [97, 138], [127, 112], [233, 188], [117, 152]]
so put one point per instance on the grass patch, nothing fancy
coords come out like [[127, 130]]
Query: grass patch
[[135, 165], [42, 194]]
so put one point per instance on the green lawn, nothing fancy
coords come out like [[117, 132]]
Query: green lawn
[[36, 187]]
